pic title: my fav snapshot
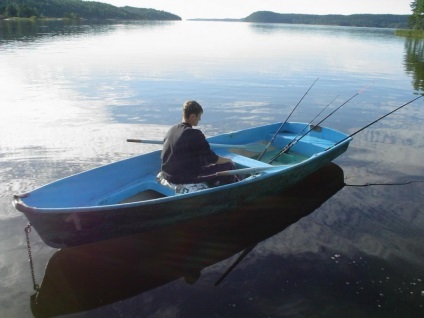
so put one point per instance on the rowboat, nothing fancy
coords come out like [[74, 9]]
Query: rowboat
[[82, 278], [125, 197]]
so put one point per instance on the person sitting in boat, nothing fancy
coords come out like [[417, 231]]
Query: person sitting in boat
[[186, 155]]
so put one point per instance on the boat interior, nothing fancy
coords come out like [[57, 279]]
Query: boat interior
[[318, 140], [242, 158], [154, 190]]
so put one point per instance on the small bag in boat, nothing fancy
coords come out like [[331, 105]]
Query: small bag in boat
[[181, 188]]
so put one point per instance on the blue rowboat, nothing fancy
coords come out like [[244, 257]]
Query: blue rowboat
[[125, 197], [85, 277]]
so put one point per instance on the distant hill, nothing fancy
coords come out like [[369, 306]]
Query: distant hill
[[78, 9], [357, 20]]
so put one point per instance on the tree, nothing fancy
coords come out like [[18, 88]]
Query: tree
[[11, 10], [416, 21], [78, 9], [26, 12]]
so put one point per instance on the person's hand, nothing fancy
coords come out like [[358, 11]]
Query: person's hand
[[222, 160]]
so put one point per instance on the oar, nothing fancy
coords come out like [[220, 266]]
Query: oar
[[281, 126], [372, 123], [295, 141], [253, 147], [240, 172], [245, 171], [145, 141]]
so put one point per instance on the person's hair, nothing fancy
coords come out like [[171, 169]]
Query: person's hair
[[191, 107]]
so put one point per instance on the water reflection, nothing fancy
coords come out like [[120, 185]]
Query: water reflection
[[86, 277], [30, 30], [414, 61], [335, 31]]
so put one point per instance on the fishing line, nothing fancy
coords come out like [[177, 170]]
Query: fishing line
[[383, 184], [372, 123], [350, 136]]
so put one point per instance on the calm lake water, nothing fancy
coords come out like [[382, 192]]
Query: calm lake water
[[71, 94]]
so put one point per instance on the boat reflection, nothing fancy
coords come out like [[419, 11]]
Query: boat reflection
[[89, 276]]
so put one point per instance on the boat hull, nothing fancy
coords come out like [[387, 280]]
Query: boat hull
[[76, 225]]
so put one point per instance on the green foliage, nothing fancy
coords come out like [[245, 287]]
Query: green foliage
[[412, 33], [416, 20], [77, 9], [358, 20], [11, 10]]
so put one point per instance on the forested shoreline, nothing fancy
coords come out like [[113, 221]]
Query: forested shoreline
[[354, 20], [78, 9]]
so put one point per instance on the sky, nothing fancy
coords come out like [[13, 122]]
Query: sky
[[188, 9]]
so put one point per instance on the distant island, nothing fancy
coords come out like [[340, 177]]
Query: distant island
[[78, 9], [354, 20]]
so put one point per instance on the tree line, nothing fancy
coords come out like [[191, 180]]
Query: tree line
[[357, 20], [78, 9]]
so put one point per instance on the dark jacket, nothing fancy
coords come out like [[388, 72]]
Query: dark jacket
[[185, 152]]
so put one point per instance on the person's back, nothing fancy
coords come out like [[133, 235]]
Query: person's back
[[186, 154]]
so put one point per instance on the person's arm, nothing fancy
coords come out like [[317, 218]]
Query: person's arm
[[201, 145]]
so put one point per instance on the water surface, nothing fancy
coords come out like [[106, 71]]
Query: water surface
[[71, 94]]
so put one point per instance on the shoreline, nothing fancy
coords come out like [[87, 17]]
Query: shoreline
[[410, 33]]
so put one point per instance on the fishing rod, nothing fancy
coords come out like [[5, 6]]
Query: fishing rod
[[377, 120], [318, 114], [281, 126], [293, 142], [308, 124]]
